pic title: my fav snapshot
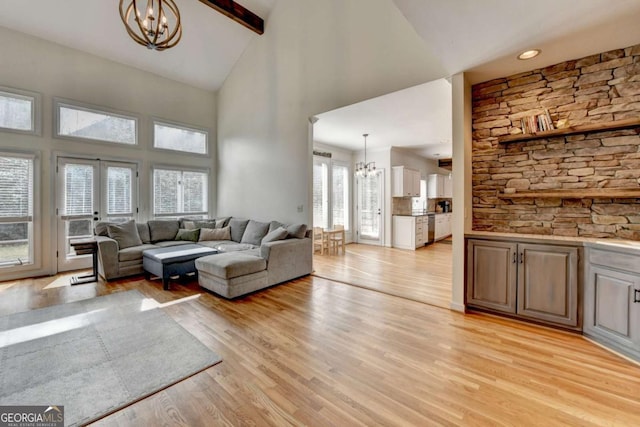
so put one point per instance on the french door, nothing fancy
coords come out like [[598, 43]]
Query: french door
[[88, 191], [370, 208]]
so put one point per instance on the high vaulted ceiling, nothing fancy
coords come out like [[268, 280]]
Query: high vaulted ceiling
[[210, 46]]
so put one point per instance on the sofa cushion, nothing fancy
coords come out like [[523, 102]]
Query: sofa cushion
[[230, 265], [254, 232], [238, 226], [188, 235], [207, 234], [143, 232], [192, 224], [279, 233], [296, 231], [231, 246], [133, 253], [100, 228], [126, 234], [160, 230], [222, 221]]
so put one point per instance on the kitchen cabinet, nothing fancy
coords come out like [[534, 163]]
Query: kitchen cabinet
[[529, 280], [406, 182], [612, 300], [409, 232], [439, 186], [442, 226], [448, 187]]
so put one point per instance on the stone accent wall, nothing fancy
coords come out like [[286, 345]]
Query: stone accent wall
[[596, 89]]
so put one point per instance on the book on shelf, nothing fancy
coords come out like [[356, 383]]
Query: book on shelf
[[537, 123]]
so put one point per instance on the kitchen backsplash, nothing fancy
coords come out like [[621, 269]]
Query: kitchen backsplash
[[404, 206]]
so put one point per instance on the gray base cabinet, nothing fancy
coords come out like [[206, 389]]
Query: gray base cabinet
[[612, 300], [532, 281]]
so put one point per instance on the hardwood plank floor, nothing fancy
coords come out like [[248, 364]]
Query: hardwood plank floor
[[316, 352], [423, 275]]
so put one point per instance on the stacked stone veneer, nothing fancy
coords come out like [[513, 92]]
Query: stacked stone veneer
[[596, 89]]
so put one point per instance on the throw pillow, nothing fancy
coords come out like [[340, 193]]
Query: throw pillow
[[277, 234], [204, 223], [237, 228], [296, 231], [254, 232], [222, 221], [207, 234], [275, 225], [189, 225], [126, 234], [163, 230], [188, 235]]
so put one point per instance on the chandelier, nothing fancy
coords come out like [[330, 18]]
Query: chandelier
[[363, 168], [156, 26]]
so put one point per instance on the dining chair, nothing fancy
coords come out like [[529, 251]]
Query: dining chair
[[337, 240], [319, 242]]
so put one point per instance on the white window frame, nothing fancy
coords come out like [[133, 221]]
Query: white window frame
[[330, 164], [183, 126], [61, 102], [36, 110], [178, 214], [36, 239]]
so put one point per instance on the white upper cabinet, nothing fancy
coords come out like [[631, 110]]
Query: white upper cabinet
[[405, 182]]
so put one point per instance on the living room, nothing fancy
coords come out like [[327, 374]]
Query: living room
[[314, 351]]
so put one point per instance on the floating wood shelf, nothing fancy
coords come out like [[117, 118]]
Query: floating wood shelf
[[572, 130], [587, 193]]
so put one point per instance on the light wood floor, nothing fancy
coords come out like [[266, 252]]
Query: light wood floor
[[423, 275], [316, 352]]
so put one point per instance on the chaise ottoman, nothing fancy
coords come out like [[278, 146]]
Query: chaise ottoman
[[173, 261], [232, 274]]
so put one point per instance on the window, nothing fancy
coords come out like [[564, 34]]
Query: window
[[16, 210], [179, 138], [331, 193], [74, 121], [179, 192], [19, 111]]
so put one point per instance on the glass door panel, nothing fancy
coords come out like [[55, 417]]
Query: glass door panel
[[370, 208]]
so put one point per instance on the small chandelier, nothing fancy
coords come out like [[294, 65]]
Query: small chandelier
[[159, 29], [363, 169]]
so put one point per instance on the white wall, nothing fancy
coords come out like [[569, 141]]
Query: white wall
[[403, 157], [52, 70], [315, 56], [462, 141]]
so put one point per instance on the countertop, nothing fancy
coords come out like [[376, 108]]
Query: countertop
[[425, 214], [628, 246]]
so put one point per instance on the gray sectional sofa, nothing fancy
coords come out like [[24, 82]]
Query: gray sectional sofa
[[252, 254]]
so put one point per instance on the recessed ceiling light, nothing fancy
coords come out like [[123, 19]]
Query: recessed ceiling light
[[528, 54]]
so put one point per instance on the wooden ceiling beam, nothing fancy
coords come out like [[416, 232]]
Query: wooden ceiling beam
[[238, 13]]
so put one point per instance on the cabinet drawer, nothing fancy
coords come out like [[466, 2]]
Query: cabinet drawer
[[616, 260]]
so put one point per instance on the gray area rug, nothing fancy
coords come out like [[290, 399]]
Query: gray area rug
[[94, 356]]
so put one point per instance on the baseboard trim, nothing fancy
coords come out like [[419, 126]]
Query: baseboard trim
[[457, 307]]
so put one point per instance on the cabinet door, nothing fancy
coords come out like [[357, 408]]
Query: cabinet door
[[609, 308], [491, 275], [548, 283], [435, 186], [415, 183], [448, 187], [397, 179]]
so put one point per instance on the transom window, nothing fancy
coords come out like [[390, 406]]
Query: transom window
[[19, 110], [16, 210], [76, 121], [171, 136], [180, 192]]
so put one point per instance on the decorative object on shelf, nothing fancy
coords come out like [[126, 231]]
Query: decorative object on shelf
[[572, 130], [363, 168], [536, 123], [160, 27]]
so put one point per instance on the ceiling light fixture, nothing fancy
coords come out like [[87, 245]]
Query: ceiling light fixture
[[159, 29], [363, 169], [528, 54]]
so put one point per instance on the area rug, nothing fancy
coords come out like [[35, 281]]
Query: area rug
[[95, 356]]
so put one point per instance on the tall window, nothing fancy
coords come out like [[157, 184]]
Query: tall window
[[16, 210], [331, 193], [179, 192], [175, 137], [19, 110], [75, 121]]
